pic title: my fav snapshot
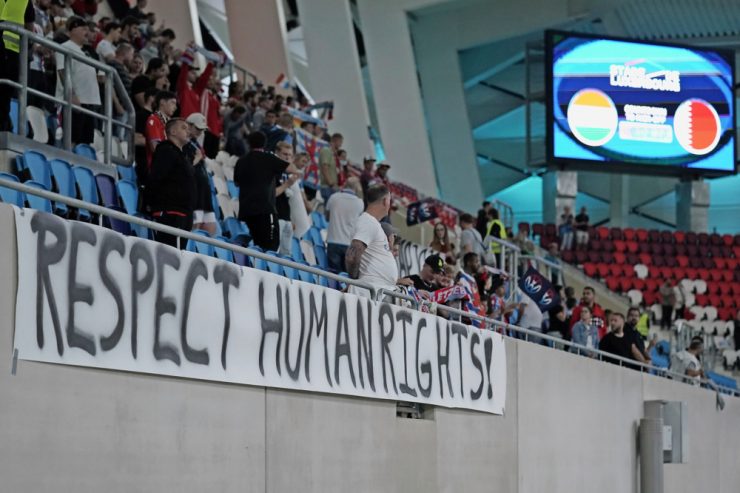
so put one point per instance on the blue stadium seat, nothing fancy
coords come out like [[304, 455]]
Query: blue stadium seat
[[88, 189], [295, 250], [14, 114], [10, 196], [119, 226], [313, 236], [236, 230], [64, 178], [319, 220], [36, 202], [39, 168], [107, 190], [20, 165], [129, 195], [274, 267], [223, 253], [322, 259], [127, 173], [233, 189], [199, 247], [306, 276], [216, 207], [86, 151]]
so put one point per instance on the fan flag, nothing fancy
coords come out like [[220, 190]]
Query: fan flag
[[540, 289], [419, 212]]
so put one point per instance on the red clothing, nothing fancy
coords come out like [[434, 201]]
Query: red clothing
[[154, 132], [187, 96], [210, 105], [597, 313]]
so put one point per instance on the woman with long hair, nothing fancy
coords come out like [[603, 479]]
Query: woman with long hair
[[441, 242]]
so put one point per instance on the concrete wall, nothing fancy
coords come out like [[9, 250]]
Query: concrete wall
[[569, 425]]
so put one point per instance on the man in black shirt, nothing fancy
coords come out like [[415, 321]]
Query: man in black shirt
[[283, 183], [256, 174], [619, 343], [426, 279], [171, 187], [582, 225]]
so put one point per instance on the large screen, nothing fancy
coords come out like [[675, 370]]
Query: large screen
[[616, 104]]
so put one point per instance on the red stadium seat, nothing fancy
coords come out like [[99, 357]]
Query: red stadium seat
[[720, 263], [642, 235], [644, 247], [670, 261], [590, 269], [736, 251], [703, 274], [633, 247], [737, 240], [568, 256], [651, 285], [594, 257], [669, 249], [595, 245], [616, 234], [602, 232], [692, 273], [614, 284], [725, 289], [619, 258], [690, 238], [692, 251], [633, 259], [603, 270], [645, 259], [679, 236], [715, 239], [629, 234], [715, 275], [717, 300], [713, 288], [537, 229], [551, 230], [649, 297], [726, 276], [625, 284], [607, 257], [666, 237], [607, 246], [736, 288], [725, 314], [726, 251], [620, 246], [703, 238], [581, 257], [707, 263], [654, 236], [702, 299], [523, 227], [638, 284], [628, 270], [727, 240], [615, 270], [666, 273], [716, 251], [682, 260], [731, 263], [658, 260]]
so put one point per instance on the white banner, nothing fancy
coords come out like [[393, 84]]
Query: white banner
[[88, 296], [411, 257]]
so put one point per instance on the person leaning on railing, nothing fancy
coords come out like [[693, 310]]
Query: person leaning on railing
[[22, 13]]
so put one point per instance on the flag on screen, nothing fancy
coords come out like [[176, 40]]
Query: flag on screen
[[697, 126], [592, 117]]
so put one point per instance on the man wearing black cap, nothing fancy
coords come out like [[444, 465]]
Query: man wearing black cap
[[426, 279]]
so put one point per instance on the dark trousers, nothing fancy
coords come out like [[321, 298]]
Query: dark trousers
[[666, 319], [176, 221], [9, 69], [83, 126], [336, 253], [265, 230], [211, 144]]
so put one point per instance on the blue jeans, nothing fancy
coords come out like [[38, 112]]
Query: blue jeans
[[326, 192], [336, 253]]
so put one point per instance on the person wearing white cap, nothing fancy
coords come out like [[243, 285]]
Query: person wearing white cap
[[203, 216]]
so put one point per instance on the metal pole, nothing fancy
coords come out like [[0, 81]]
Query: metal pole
[[107, 146], [651, 455], [23, 79], [67, 114]]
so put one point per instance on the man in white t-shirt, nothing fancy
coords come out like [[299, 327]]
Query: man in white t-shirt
[[342, 210], [369, 257], [84, 90], [687, 363], [106, 48]]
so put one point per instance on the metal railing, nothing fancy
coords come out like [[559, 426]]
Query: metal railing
[[377, 294], [112, 83]]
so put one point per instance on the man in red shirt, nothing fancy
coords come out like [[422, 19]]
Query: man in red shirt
[[165, 103], [190, 85], [210, 106], [599, 317]]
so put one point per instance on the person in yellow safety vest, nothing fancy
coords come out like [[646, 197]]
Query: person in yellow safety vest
[[496, 229], [22, 13]]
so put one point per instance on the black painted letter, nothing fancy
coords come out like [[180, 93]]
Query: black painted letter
[[139, 253], [112, 242], [197, 269], [268, 326], [78, 292], [227, 277], [164, 304]]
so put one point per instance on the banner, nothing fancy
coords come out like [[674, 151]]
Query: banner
[[88, 296], [411, 257], [539, 288]]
